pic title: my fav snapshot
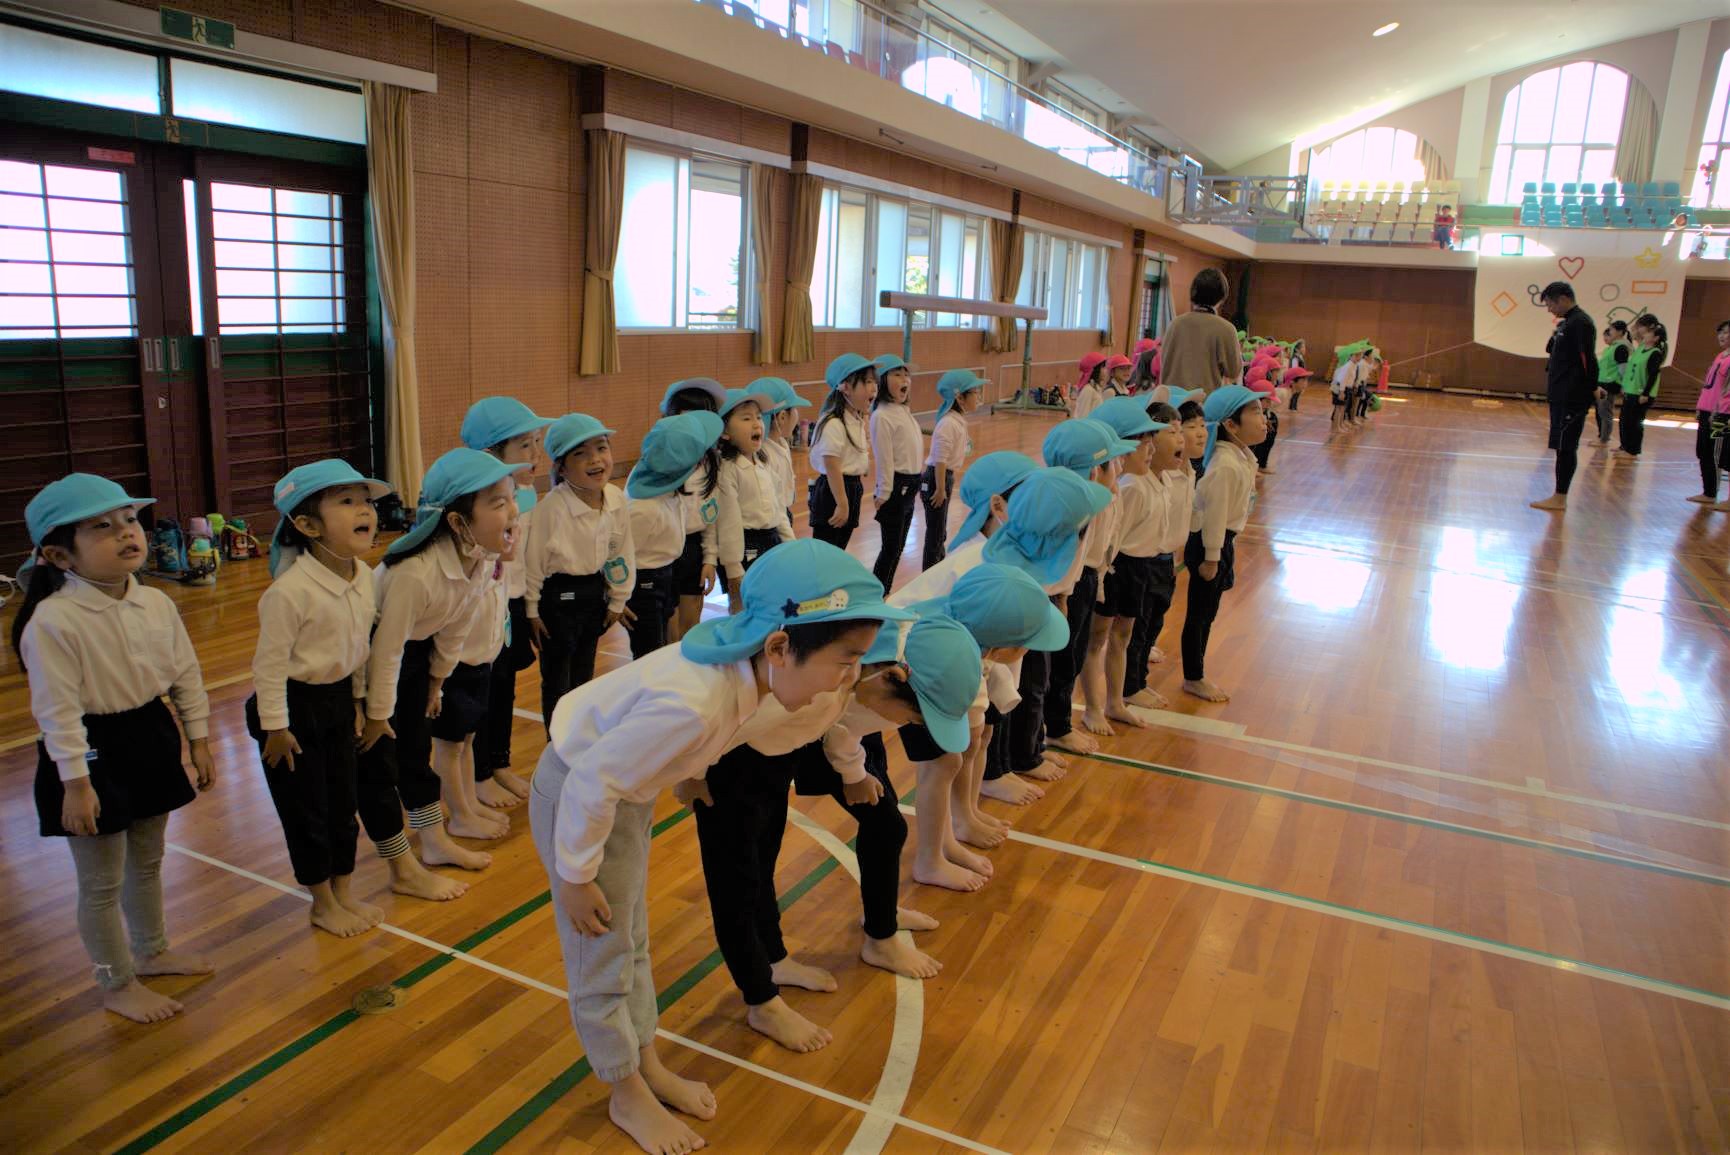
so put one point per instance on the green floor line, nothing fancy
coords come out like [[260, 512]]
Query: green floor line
[[274, 1061]]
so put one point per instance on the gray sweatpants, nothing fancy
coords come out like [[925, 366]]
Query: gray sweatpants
[[612, 989], [120, 873]]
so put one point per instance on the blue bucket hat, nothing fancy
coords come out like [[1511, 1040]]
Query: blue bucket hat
[[991, 476], [1045, 516], [303, 481], [796, 583], [706, 385], [1082, 445], [781, 390], [943, 668], [1222, 403], [844, 367], [494, 419], [1002, 606], [1127, 416], [737, 397], [460, 471], [952, 385], [888, 363], [572, 430], [671, 449], [1175, 396], [72, 499]]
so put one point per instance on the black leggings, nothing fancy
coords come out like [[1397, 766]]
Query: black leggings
[[574, 610], [1712, 457], [1634, 410], [1066, 663], [894, 520], [1566, 425], [936, 516], [823, 508], [1204, 598]]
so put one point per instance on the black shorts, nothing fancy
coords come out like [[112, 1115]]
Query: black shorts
[[993, 716], [656, 593], [462, 702], [135, 769], [1126, 586], [688, 570], [918, 743]]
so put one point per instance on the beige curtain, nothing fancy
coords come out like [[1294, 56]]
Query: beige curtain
[[390, 187], [797, 341], [762, 237], [598, 349], [1639, 136], [1006, 239], [1435, 168]]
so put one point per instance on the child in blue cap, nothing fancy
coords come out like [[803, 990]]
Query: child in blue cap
[[654, 492], [898, 448], [959, 393], [511, 432], [309, 679], [1223, 496], [695, 571], [437, 581], [579, 556], [100, 651], [810, 615], [840, 449], [751, 519], [782, 418]]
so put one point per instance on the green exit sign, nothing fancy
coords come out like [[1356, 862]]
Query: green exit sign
[[198, 29]]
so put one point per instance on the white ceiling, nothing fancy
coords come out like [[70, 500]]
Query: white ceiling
[[1234, 79]]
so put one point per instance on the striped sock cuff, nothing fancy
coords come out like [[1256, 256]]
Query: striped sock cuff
[[395, 846], [425, 816]]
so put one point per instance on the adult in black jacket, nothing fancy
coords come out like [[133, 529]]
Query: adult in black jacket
[[1571, 381]]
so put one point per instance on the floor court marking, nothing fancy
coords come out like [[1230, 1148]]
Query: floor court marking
[[1386, 922], [1603, 856], [1536, 458]]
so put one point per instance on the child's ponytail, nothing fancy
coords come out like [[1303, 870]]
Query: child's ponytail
[[44, 578]]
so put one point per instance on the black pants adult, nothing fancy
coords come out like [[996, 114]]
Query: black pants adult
[[574, 610], [654, 599], [936, 516], [1567, 422], [894, 520], [1156, 600], [1265, 449], [1203, 604], [1634, 410], [493, 739], [1066, 663], [397, 774], [822, 504], [1712, 453], [315, 799]]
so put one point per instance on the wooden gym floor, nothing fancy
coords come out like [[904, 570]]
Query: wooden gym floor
[[1448, 873]]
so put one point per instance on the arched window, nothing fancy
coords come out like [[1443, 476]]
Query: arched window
[[1711, 189], [1560, 126], [1370, 154]]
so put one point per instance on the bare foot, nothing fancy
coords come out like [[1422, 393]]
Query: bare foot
[[1122, 713], [1155, 656], [339, 919], [967, 860], [1055, 758], [437, 849], [906, 919], [1148, 698], [492, 793], [684, 1095], [947, 875], [791, 973], [1083, 742], [1702, 499], [514, 783], [139, 1003], [1096, 724], [634, 1109], [1011, 788], [787, 1026], [898, 955], [484, 826], [1050, 770], [174, 962], [1556, 502], [978, 834], [1206, 691], [408, 876], [373, 914]]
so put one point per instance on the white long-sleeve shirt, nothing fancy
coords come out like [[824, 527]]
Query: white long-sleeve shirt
[[88, 653], [313, 627], [1177, 488], [781, 461], [567, 535], [487, 632], [1086, 401], [1000, 682], [430, 595], [748, 500], [951, 444], [845, 439], [516, 572], [897, 443], [657, 529], [1141, 515], [1101, 544], [1344, 378], [633, 732], [774, 730], [1222, 496]]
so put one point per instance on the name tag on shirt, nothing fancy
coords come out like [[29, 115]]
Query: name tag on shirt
[[616, 571], [710, 510]]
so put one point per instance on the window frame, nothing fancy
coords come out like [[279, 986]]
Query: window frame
[[1039, 251], [684, 159], [1510, 171], [1714, 144]]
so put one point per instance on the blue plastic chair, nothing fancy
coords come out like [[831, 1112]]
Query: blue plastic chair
[[1649, 190], [1549, 193], [1553, 216], [1595, 216], [1588, 192], [1574, 215], [1530, 214], [1622, 216], [1672, 189], [1570, 192], [1609, 193]]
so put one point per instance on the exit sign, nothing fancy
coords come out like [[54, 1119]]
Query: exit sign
[[198, 29]]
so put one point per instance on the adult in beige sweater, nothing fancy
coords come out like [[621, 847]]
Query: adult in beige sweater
[[1200, 350]]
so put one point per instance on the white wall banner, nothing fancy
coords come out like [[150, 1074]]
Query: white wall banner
[[1616, 277]]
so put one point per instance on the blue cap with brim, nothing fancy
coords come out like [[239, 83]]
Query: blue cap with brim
[[991, 476], [1045, 516], [782, 391], [459, 472], [1082, 445], [303, 481], [888, 363], [671, 449], [844, 367], [707, 385], [494, 419], [1127, 417], [1222, 403], [72, 499], [952, 385], [572, 430], [1175, 396], [737, 397], [795, 583], [943, 668], [1002, 606]]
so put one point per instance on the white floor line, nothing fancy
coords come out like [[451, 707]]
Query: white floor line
[[875, 1115], [1536, 457], [1352, 914]]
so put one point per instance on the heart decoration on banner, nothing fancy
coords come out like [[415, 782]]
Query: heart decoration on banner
[[1571, 266]]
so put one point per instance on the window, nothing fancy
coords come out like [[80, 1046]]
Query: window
[[1073, 129], [964, 73], [62, 68], [1560, 126], [65, 256], [278, 260], [681, 242], [1370, 154], [868, 244], [1710, 188], [270, 103], [1067, 277], [825, 21]]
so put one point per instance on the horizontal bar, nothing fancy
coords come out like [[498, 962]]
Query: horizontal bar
[[889, 299]]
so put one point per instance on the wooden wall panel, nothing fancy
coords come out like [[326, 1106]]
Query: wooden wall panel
[[356, 27], [440, 120], [519, 116], [442, 307]]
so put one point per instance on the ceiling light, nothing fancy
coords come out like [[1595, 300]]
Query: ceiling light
[[1386, 28]]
